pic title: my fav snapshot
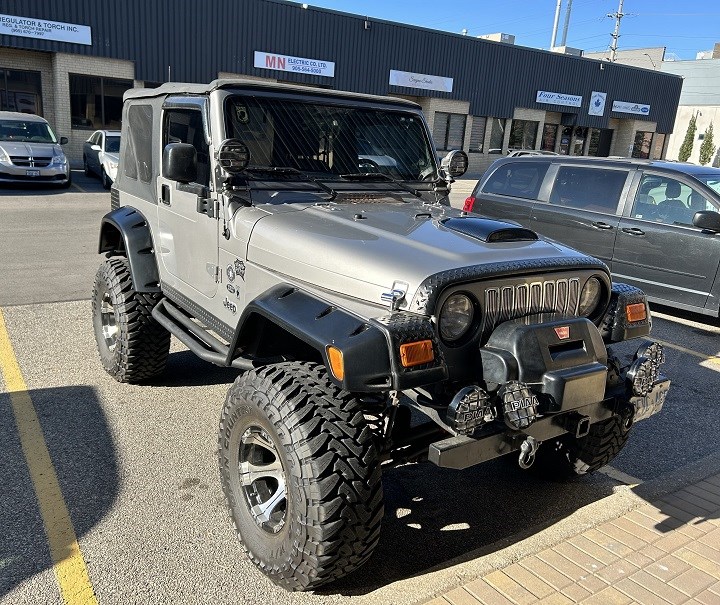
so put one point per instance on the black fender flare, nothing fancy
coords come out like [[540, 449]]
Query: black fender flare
[[368, 346], [127, 229]]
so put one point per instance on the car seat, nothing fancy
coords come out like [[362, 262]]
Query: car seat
[[672, 196]]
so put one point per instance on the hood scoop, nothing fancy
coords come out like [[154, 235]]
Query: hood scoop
[[490, 231]]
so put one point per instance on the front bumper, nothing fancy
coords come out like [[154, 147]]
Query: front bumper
[[10, 173], [461, 452]]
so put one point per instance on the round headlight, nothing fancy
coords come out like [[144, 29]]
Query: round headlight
[[455, 317], [590, 297]]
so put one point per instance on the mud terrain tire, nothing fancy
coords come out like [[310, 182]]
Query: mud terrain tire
[[133, 347], [287, 427]]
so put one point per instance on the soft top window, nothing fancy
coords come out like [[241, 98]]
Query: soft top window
[[138, 150]]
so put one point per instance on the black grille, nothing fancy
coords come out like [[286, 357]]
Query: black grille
[[30, 161]]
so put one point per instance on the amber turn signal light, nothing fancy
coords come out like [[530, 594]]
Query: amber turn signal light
[[636, 312], [337, 366], [416, 353]]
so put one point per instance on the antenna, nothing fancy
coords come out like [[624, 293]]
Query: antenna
[[616, 33]]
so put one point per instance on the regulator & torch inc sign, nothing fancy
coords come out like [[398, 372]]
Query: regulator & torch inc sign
[[26, 27]]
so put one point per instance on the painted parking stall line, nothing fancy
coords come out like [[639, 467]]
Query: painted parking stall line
[[710, 361], [68, 563]]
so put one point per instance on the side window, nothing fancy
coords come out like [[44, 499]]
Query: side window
[[595, 189], [186, 126], [662, 199], [517, 179], [137, 157]]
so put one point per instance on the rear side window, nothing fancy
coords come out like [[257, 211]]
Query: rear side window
[[517, 179], [595, 189], [137, 158]]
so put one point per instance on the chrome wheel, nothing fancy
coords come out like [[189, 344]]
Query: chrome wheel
[[108, 322], [262, 479]]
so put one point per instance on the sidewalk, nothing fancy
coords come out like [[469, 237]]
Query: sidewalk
[[667, 551]]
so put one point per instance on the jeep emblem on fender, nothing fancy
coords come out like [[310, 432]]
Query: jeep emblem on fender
[[562, 332]]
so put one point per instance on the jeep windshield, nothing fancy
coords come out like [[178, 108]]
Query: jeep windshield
[[330, 142]]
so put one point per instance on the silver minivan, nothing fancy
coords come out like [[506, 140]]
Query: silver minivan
[[655, 223], [30, 152]]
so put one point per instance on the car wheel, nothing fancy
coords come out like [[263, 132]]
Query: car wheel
[[106, 182], [569, 456], [86, 167], [132, 345], [300, 473]]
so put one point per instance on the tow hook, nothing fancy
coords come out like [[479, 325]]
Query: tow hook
[[527, 452]]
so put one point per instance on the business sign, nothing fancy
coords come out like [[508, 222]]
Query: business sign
[[597, 103], [12, 25], [625, 107], [300, 65], [424, 81], [558, 98]]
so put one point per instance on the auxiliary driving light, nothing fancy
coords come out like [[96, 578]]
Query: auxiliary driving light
[[520, 405], [469, 409], [645, 369]]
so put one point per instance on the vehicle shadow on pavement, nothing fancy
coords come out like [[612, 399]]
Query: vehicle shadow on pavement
[[477, 511], [184, 369], [83, 453]]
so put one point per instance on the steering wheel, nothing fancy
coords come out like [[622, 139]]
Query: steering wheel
[[368, 166]]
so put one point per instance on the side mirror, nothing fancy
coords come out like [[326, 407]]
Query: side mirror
[[708, 220], [96, 147], [455, 163], [179, 162], [63, 140]]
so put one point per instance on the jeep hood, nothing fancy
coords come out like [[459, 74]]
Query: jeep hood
[[360, 249]]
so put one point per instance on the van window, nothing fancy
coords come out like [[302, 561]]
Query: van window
[[596, 189], [666, 200], [517, 179]]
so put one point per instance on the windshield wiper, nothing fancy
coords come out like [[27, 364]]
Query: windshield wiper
[[371, 176], [289, 171]]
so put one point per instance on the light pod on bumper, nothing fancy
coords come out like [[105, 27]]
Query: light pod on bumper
[[520, 405], [644, 371], [469, 409]]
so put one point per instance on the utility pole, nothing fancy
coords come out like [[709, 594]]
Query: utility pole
[[616, 34], [555, 24], [567, 23]]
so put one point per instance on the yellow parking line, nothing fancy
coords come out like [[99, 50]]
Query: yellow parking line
[[68, 563], [712, 359]]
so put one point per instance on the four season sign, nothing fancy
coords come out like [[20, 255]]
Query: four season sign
[[300, 65], [12, 25], [558, 98]]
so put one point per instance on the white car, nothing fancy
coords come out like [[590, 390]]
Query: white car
[[101, 153]]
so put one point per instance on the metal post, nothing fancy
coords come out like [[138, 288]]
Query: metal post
[[567, 23], [616, 33], [555, 24]]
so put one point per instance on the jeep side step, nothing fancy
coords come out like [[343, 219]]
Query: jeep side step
[[197, 339]]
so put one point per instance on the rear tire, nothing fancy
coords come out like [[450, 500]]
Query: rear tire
[[132, 345], [86, 168], [569, 456], [300, 472]]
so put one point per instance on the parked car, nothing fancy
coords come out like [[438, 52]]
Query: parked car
[[30, 152], [655, 223], [520, 152], [101, 153]]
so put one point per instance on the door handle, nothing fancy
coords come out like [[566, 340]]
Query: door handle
[[165, 194], [633, 231], [601, 225]]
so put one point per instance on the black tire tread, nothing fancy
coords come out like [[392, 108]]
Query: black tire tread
[[143, 344], [602, 443], [341, 501]]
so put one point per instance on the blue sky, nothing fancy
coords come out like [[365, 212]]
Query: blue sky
[[684, 28]]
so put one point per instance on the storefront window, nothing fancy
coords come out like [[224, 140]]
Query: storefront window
[[20, 91], [497, 135], [523, 134], [449, 130], [477, 133], [549, 137], [579, 142], [565, 139], [600, 139], [641, 146], [96, 102]]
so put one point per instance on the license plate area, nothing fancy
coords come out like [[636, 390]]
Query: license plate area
[[32, 173]]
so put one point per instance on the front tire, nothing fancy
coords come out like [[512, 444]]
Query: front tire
[[300, 472], [106, 182], [132, 345]]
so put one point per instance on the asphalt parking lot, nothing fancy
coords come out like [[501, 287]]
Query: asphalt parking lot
[[136, 465]]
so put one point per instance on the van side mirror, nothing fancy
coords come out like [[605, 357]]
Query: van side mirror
[[455, 163], [63, 140], [708, 220], [179, 162]]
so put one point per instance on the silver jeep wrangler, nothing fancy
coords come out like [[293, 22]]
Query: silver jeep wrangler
[[305, 238]]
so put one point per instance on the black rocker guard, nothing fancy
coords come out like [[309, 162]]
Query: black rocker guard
[[462, 452]]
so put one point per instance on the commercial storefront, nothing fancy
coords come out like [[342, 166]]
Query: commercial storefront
[[71, 61]]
